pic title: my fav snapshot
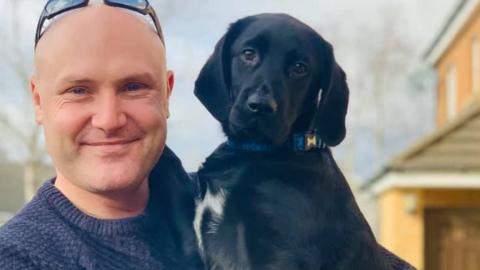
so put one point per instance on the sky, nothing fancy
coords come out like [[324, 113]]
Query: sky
[[193, 27]]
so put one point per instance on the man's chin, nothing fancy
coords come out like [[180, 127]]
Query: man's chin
[[111, 185], [112, 174]]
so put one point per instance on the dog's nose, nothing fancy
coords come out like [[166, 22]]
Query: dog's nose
[[260, 104]]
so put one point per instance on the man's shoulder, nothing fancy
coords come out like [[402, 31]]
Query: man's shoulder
[[35, 224], [23, 246], [14, 257], [25, 226], [18, 242], [27, 238]]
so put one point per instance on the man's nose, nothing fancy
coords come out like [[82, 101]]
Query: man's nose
[[109, 114]]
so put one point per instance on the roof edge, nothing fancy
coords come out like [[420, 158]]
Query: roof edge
[[450, 29], [426, 180], [425, 142], [470, 112]]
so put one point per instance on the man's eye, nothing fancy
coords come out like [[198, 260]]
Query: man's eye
[[249, 56], [78, 91], [132, 87]]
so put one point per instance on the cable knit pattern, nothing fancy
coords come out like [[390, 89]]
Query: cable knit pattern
[[51, 233]]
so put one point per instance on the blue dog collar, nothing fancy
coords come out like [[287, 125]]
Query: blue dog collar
[[252, 147], [300, 142], [307, 141]]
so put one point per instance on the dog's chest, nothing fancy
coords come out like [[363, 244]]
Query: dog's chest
[[209, 214], [252, 202]]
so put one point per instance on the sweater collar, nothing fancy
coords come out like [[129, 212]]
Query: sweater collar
[[64, 207]]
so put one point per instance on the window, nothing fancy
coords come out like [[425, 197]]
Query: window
[[451, 95], [476, 65]]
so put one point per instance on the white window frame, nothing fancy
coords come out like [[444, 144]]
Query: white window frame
[[451, 91], [476, 65]]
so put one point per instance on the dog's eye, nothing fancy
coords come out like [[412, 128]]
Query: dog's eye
[[249, 55], [300, 69]]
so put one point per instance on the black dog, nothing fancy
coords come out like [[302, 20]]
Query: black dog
[[272, 197]]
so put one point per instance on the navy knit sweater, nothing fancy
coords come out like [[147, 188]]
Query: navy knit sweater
[[51, 233]]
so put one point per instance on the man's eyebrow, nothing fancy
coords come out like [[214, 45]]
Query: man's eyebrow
[[76, 80], [141, 76]]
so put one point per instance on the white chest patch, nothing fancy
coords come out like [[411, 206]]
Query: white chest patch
[[214, 203]]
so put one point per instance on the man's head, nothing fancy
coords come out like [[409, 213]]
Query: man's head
[[101, 91]]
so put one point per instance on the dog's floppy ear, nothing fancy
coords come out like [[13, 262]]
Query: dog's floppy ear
[[332, 106], [212, 86]]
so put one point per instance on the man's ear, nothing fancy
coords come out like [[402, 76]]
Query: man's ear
[[36, 99], [170, 83], [212, 86]]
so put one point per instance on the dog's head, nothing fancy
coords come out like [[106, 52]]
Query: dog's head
[[271, 75]]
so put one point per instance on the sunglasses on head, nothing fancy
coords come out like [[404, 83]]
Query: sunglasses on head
[[56, 7]]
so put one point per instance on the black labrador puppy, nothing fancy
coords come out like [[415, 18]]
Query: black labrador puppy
[[272, 197]]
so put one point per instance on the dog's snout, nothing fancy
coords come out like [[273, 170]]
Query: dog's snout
[[261, 104]]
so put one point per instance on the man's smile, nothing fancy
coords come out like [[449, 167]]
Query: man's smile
[[117, 146]]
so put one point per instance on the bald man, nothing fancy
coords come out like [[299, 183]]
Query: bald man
[[101, 90]]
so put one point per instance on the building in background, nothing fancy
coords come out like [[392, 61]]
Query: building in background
[[429, 196], [13, 193]]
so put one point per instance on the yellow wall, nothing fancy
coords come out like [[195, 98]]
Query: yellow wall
[[403, 232], [458, 54]]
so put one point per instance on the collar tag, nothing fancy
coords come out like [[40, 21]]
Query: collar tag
[[310, 141], [307, 141]]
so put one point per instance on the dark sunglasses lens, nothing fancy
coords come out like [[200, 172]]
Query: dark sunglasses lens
[[139, 4], [54, 6]]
